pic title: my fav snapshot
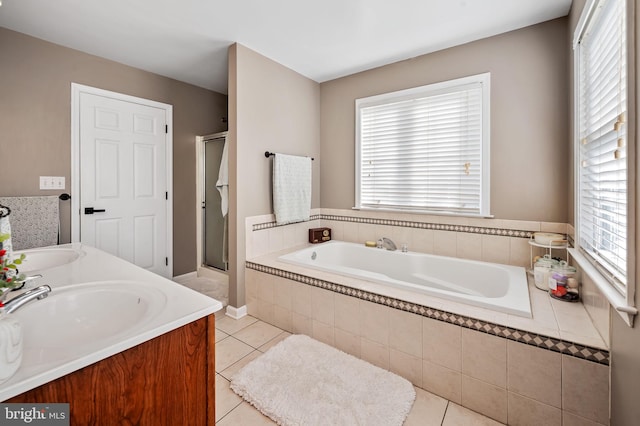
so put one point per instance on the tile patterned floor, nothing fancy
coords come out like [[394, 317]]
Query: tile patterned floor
[[238, 342], [218, 289]]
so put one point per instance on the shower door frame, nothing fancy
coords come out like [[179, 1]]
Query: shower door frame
[[203, 270]]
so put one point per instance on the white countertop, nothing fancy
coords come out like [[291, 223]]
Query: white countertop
[[182, 306]]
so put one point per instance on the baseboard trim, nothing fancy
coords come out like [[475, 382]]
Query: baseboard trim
[[236, 313]]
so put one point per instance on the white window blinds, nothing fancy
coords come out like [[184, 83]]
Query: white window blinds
[[425, 149], [602, 202]]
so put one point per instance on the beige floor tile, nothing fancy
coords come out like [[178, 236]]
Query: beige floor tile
[[226, 399], [220, 335], [230, 325], [428, 409], [245, 415], [257, 334], [271, 343], [229, 351], [460, 416], [228, 372]]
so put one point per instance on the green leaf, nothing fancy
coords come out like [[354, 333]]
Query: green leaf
[[17, 261]]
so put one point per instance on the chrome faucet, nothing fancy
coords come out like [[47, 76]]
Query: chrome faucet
[[388, 244], [26, 280], [17, 302]]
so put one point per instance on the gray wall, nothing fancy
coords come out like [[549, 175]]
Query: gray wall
[[271, 108], [529, 117], [35, 123]]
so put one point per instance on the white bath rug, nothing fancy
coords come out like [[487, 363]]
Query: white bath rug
[[301, 381]]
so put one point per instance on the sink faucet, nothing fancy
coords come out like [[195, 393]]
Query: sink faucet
[[26, 297], [388, 244], [26, 280]]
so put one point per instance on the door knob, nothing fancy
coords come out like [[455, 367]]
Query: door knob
[[91, 210]]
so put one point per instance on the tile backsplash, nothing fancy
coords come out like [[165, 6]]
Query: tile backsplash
[[492, 240]]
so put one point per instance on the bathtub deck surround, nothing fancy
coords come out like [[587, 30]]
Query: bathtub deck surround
[[493, 240], [499, 287], [451, 355], [464, 353]]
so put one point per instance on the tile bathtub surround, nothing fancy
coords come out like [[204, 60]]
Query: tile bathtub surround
[[530, 385], [494, 240], [483, 366], [376, 325]]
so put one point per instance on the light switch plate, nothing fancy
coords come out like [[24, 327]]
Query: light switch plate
[[52, 182]]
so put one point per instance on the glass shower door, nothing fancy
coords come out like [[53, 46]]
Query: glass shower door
[[214, 228]]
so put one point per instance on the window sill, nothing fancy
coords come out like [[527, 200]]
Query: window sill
[[618, 301], [424, 212]]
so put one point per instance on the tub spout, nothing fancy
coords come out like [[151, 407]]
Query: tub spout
[[26, 297], [388, 244]]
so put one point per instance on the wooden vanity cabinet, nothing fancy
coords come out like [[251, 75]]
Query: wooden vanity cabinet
[[168, 380]]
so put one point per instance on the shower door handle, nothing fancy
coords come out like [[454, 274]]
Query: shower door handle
[[91, 210]]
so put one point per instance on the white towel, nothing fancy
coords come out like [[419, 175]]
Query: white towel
[[223, 180], [35, 221], [291, 188]]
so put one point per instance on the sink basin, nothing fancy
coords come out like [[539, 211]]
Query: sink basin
[[40, 259], [76, 319]]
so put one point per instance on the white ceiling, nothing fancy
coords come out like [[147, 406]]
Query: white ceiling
[[187, 39]]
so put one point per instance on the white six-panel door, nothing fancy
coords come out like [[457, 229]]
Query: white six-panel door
[[123, 178]]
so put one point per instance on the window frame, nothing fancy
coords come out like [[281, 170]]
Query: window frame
[[484, 79], [622, 299]]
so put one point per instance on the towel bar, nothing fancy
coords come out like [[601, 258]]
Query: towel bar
[[271, 154]]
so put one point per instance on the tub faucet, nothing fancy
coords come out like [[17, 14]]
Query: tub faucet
[[388, 244], [17, 302]]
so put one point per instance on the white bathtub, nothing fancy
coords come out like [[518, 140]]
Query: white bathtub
[[494, 286]]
